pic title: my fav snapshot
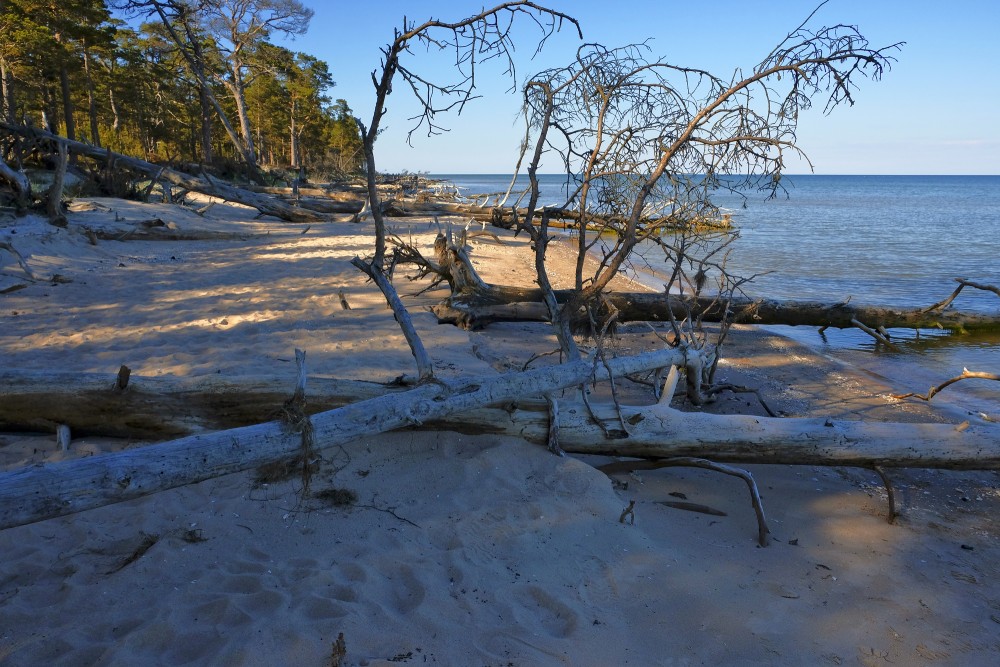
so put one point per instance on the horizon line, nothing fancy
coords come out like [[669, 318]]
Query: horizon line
[[507, 173]]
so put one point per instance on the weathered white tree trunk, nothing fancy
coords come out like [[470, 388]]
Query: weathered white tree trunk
[[41, 492], [659, 431]]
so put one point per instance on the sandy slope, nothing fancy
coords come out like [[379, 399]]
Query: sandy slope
[[459, 550]]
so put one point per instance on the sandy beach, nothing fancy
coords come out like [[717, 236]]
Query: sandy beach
[[438, 547]]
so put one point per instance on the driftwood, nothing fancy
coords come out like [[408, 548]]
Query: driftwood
[[159, 407], [966, 375], [155, 408], [39, 492], [265, 204], [479, 308], [156, 229], [20, 260]]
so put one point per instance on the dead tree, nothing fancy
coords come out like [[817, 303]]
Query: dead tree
[[484, 36], [630, 131]]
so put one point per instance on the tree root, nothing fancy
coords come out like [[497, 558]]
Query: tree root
[[890, 492]]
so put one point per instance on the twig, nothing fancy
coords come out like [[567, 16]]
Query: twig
[[719, 388], [966, 374], [593, 415], [388, 511], [890, 492], [691, 462], [874, 334], [628, 512], [539, 355], [20, 260], [962, 283], [988, 288]]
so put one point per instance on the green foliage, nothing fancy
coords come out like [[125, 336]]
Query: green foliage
[[134, 89]]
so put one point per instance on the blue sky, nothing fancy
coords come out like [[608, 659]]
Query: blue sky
[[936, 112]]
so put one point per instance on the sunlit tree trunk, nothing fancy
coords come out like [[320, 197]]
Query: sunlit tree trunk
[[95, 132], [206, 124], [7, 92]]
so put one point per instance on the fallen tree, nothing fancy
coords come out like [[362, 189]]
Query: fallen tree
[[36, 493], [158, 407], [657, 431], [480, 308], [267, 205]]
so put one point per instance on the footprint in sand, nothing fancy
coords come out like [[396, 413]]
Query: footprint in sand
[[317, 608], [353, 572], [408, 593], [555, 617]]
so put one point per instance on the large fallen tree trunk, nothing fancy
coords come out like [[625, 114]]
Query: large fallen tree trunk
[[263, 203], [157, 407], [479, 308], [40, 492], [659, 431]]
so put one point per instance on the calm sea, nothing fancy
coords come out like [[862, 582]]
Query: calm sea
[[888, 240]]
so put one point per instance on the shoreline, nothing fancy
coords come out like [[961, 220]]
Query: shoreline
[[458, 549]]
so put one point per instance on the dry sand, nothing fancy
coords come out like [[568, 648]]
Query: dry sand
[[459, 550]]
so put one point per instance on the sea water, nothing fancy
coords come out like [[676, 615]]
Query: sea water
[[883, 240]]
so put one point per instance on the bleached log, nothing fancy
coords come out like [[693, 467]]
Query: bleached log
[[40, 492], [659, 431], [263, 203], [160, 407]]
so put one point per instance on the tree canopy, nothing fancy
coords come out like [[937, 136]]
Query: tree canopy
[[176, 81]]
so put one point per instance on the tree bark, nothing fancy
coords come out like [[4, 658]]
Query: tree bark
[[658, 431], [53, 201], [477, 309], [40, 492], [264, 204], [206, 124], [67, 100], [95, 132], [7, 99], [236, 89]]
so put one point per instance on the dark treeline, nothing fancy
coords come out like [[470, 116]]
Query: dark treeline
[[176, 81]]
